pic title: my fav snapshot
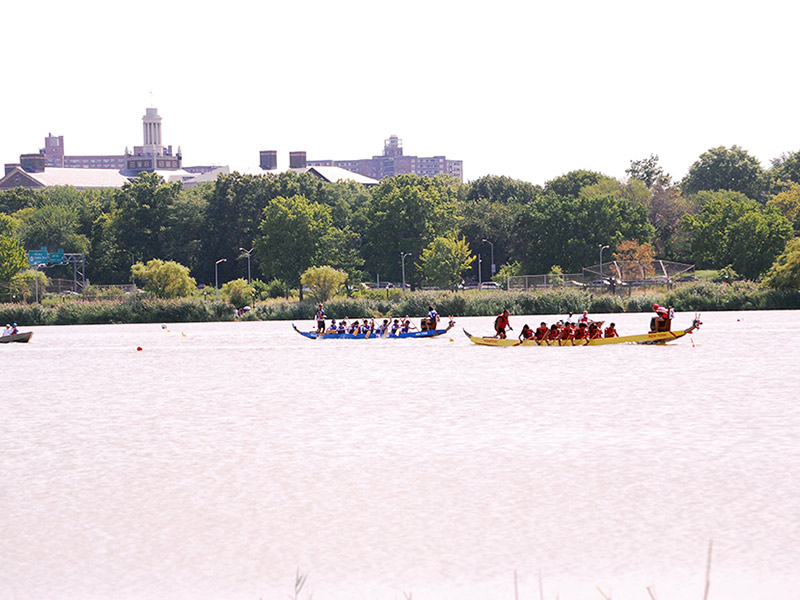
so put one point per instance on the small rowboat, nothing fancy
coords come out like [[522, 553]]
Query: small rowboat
[[22, 338], [374, 336], [653, 338]]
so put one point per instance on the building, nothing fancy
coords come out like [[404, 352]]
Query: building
[[394, 162], [152, 155]]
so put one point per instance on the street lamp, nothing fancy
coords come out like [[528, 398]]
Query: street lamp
[[403, 266], [216, 276], [602, 247], [492, 245], [247, 252]]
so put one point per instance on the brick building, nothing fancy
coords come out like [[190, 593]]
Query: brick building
[[394, 162]]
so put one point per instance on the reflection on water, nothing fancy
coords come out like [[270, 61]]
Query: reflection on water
[[223, 457]]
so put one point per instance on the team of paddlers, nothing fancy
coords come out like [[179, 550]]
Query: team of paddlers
[[584, 329], [368, 326]]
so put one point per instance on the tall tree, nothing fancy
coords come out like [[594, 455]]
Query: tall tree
[[567, 231], [786, 168], [502, 189], [12, 258], [648, 171], [405, 214], [727, 169], [731, 229], [570, 184], [445, 260], [291, 234], [784, 274], [142, 215]]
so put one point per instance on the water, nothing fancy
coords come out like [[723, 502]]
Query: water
[[222, 458]]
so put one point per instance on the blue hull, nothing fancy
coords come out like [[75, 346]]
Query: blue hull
[[374, 336]]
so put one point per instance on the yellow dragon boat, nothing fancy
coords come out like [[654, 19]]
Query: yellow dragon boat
[[652, 338]]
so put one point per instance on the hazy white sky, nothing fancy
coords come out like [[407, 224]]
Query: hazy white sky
[[525, 89]]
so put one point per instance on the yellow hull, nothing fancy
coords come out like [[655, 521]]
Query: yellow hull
[[662, 337]]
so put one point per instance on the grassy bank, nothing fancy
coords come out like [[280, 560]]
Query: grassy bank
[[700, 296]]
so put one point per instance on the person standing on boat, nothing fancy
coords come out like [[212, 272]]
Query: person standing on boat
[[320, 317], [501, 324], [433, 318]]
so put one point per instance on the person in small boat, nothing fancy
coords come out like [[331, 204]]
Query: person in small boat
[[611, 331], [14, 330], [7, 330], [501, 324], [320, 317]]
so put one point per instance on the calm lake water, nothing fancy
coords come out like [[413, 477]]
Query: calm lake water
[[223, 457]]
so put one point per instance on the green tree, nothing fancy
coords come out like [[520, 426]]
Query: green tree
[[731, 229], [405, 214], [788, 204], [165, 279], [649, 172], [444, 261], [567, 231], [322, 282], [786, 168], [726, 169], [292, 231], [784, 274], [570, 184], [502, 189], [54, 226], [16, 199], [12, 258], [8, 225], [142, 215], [238, 292]]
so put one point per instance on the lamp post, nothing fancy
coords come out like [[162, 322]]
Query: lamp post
[[480, 282], [216, 276], [403, 267], [602, 247], [247, 252], [492, 245]]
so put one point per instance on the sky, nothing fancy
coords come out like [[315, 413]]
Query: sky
[[530, 90]]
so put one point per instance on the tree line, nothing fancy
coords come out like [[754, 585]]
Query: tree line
[[727, 212]]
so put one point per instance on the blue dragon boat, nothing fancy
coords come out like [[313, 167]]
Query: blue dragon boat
[[374, 336]]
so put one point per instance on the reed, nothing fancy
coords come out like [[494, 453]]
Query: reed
[[699, 296]]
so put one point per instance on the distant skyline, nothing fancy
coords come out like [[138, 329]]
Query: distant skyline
[[527, 90]]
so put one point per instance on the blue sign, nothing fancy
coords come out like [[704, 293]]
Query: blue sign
[[56, 257]]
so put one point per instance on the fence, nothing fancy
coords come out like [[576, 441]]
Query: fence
[[609, 275]]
